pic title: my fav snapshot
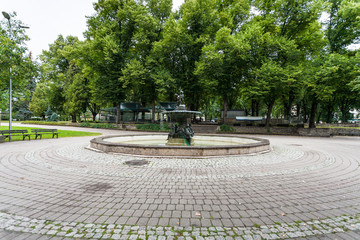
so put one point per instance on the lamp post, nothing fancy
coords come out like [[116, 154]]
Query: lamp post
[[7, 16]]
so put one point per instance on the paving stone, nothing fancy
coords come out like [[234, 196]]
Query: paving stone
[[67, 187]]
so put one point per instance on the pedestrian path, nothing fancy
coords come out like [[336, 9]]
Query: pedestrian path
[[58, 189]]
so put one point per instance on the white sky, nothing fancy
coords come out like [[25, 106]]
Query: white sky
[[49, 18]]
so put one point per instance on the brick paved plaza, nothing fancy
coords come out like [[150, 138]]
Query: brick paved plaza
[[305, 188]]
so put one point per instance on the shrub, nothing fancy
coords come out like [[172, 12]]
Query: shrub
[[153, 127], [85, 124], [101, 125], [226, 128], [54, 117]]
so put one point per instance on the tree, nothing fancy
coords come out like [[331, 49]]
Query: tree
[[342, 30], [296, 36], [77, 96], [56, 71], [110, 40], [222, 66], [143, 77], [343, 25], [13, 54], [39, 102], [187, 33]]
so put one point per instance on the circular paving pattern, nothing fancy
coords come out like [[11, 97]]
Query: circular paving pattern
[[303, 187]]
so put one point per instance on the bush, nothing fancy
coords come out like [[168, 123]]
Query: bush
[[85, 124], [226, 128], [54, 117], [153, 127], [102, 125]]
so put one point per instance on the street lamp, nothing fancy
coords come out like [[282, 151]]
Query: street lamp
[[7, 16]]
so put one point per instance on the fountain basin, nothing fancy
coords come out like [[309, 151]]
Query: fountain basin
[[204, 145]]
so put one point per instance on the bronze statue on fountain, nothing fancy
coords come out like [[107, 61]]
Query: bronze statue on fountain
[[181, 133]]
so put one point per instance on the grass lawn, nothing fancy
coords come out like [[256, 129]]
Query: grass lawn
[[62, 133]]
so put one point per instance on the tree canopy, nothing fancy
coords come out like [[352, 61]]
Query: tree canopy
[[255, 55]]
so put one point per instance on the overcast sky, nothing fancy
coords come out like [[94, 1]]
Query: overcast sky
[[49, 18]]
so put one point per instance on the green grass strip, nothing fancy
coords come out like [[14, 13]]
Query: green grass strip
[[62, 133]]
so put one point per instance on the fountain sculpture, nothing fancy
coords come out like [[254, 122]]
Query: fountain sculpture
[[181, 132]]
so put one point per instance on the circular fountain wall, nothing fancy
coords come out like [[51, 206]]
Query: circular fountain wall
[[205, 145]]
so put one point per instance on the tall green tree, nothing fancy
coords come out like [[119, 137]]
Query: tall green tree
[[223, 65], [343, 25], [187, 33], [39, 102], [143, 76], [56, 72], [14, 55], [110, 38], [290, 23]]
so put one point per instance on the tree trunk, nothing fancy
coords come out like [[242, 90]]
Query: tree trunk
[[288, 105], [305, 113], [225, 111], [298, 107], [73, 118], [94, 109], [118, 114], [268, 114], [314, 106], [344, 111], [253, 106], [344, 117], [153, 111], [329, 113], [319, 117]]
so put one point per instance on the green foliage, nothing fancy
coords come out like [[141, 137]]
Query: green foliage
[[85, 124], [153, 127], [226, 128], [343, 26], [271, 60], [97, 125], [13, 54], [54, 117], [39, 102]]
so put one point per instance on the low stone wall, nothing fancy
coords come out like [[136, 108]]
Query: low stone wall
[[264, 130], [310, 132], [2, 139], [204, 128]]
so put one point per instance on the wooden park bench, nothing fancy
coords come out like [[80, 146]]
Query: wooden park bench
[[14, 133], [40, 132]]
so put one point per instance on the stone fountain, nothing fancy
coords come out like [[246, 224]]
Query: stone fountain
[[181, 141]]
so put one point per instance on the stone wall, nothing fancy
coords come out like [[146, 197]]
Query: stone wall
[[317, 132], [204, 128]]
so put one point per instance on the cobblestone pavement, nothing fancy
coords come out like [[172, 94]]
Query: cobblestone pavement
[[305, 188]]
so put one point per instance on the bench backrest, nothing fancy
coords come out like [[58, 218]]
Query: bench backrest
[[43, 130], [13, 131]]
